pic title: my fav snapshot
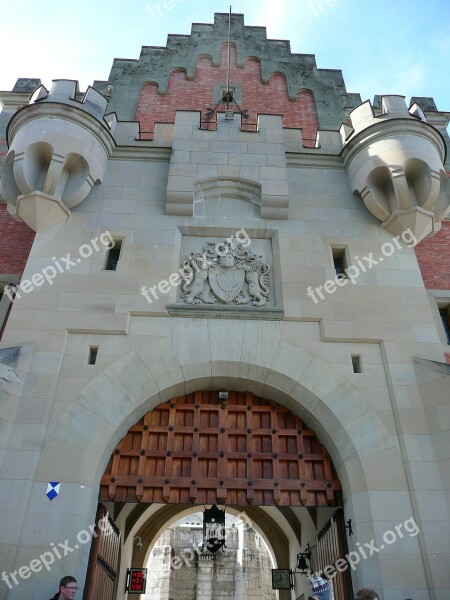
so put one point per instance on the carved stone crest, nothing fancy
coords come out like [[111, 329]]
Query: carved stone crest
[[225, 273]]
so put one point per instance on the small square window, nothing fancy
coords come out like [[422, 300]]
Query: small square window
[[227, 96]]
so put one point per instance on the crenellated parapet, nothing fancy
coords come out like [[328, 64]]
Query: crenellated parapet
[[395, 162], [58, 150]]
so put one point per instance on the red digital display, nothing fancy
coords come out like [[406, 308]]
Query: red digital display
[[137, 580]]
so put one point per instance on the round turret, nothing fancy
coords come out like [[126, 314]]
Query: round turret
[[58, 150], [395, 163]]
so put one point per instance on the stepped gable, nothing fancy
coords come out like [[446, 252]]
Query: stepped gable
[[182, 51]]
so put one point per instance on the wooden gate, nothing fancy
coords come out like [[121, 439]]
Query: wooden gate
[[331, 546], [104, 558], [202, 450]]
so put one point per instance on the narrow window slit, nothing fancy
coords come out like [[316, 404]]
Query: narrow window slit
[[339, 261], [113, 256], [92, 355], [356, 363]]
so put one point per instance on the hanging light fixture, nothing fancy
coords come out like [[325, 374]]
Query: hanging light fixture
[[213, 529]]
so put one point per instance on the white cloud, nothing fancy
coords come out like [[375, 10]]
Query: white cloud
[[273, 15], [49, 62]]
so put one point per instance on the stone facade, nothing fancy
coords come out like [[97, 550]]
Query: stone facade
[[360, 359]]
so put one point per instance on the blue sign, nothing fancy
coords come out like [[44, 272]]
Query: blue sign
[[53, 489]]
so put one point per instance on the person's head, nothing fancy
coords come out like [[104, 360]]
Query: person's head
[[366, 594], [67, 588]]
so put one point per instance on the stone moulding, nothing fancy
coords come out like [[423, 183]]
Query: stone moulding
[[263, 313], [183, 202], [237, 188]]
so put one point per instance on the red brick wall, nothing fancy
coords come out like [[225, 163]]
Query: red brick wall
[[16, 240], [257, 97], [433, 255]]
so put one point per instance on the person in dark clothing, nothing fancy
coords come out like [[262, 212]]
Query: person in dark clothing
[[67, 589]]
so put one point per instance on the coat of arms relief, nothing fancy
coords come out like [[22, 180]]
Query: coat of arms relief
[[225, 273]]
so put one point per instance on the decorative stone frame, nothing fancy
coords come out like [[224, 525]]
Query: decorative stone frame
[[274, 311], [235, 88]]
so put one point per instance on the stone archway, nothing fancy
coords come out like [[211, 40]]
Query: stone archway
[[242, 451], [116, 399], [146, 523], [166, 515], [206, 354], [244, 563]]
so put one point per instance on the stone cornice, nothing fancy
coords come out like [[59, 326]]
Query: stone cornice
[[438, 119], [265, 313], [141, 151], [313, 160], [12, 100], [152, 153], [384, 129], [65, 112]]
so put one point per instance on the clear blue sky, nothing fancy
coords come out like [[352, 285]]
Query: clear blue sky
[[382, 47]]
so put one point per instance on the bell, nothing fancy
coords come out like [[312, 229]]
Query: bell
[[302, 563]]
